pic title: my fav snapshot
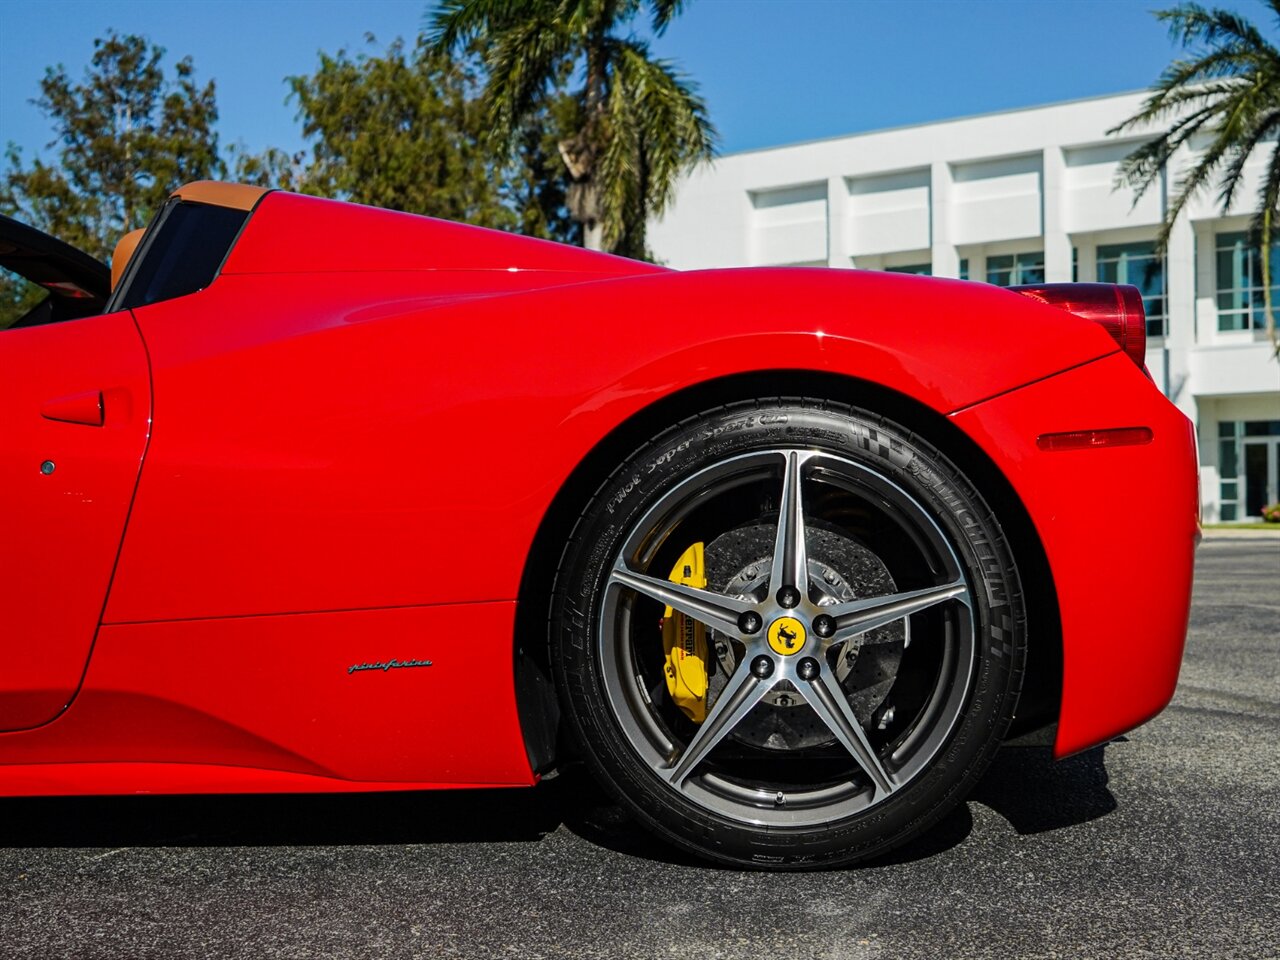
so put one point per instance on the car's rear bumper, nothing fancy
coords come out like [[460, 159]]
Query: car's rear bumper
[[1119, 526]]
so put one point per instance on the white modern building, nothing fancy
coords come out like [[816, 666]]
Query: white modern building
[[1021, 196]]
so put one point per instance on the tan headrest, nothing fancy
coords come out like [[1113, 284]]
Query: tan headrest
[[122, 254]]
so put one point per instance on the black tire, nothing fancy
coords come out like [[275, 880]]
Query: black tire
[[887, 515]]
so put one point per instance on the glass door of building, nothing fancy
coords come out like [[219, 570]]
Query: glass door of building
[[1261, 473]]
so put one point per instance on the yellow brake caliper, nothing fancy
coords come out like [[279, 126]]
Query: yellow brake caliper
[[685, 641]]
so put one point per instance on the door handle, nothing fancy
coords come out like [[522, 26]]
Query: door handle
[[85, 408]]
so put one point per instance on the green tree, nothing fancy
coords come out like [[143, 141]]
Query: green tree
[[637, 122], [272, 167], [127, 135], [1229, 90], [405, 130]]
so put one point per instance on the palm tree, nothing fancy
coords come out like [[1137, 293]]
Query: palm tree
[[636, 123], [1230, 90]]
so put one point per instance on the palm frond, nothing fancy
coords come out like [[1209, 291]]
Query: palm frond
[[1235, 54], [1144, 167], [1171, 98], [664, 11], [522, 62], [675, 129], [619, 174], [1230, 91], [595, 19], [456, 22], [1263, 127], [1268, 199], [1191, 23], [1190, 183]]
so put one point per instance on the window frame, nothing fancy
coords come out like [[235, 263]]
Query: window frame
[[1022, 269], [1246, 267]]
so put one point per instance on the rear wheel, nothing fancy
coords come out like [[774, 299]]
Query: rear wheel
[[788, 634]]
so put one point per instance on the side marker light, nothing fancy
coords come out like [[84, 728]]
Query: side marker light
[[1088, 439]]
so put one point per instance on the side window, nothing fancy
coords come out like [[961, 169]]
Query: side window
[[181, 254], [19, 297], [42, 296]]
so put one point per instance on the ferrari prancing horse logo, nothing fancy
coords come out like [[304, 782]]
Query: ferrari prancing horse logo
[[786, 636]]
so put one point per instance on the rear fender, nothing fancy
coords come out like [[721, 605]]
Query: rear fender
[[1119, 527]]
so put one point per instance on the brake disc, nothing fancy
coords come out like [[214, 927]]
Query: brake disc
[[738, 563]]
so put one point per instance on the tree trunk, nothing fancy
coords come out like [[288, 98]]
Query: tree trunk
[[1268, 309], [583, 201]]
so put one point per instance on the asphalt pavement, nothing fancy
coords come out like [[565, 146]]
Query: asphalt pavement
[[1163, 844]]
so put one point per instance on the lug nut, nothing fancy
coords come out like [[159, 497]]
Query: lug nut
[[762, 667], [807, 669], [750, 622], [824, 625], [788, 597]]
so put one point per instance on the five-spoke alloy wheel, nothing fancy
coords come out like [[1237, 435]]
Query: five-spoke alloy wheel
[[859, 645]]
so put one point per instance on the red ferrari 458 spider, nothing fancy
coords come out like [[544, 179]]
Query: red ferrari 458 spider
[[318, 497]]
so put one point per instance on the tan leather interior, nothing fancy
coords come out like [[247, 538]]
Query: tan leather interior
[[123, 253], [238, 196]]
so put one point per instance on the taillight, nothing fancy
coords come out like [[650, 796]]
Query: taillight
[[1117, 308]]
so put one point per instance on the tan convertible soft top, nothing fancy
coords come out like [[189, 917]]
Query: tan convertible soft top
[[238, 196]]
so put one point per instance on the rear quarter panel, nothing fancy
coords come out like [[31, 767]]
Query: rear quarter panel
[[1119, 526]]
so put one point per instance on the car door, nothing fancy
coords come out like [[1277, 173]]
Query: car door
[[75, 405]]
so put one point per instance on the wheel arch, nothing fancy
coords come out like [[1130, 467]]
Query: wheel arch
[[536, 699]]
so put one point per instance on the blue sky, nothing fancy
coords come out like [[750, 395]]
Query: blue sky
[[773, 71]]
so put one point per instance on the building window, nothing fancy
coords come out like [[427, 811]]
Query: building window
[[1248, 467], [1240, 301], [1228, 467], [964, 268], [1138, 265], [1016, 268], [919, 269]]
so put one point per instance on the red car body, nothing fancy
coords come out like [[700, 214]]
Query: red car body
[[226, 513]]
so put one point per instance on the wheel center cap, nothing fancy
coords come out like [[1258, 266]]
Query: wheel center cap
[[786, 636]]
